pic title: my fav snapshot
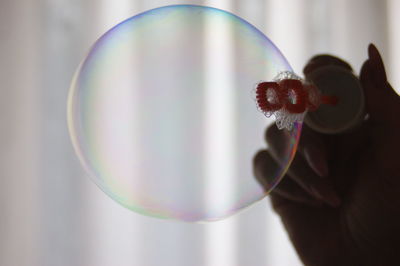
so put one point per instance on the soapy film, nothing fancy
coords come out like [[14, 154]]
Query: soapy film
[[161, 115]]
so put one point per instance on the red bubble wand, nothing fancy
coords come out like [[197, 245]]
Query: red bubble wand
[[289, 98]]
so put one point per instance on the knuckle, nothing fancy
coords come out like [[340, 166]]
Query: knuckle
[[271, 134], [260, 157]]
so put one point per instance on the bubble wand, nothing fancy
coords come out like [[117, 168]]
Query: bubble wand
[[331, 101]]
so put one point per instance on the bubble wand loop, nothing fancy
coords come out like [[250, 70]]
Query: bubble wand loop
[[300, 100]]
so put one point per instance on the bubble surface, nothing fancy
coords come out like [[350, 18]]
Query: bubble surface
[[161, 113]]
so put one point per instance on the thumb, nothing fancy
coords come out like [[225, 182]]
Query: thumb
[[381, 100]]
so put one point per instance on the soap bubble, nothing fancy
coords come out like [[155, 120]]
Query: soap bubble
[[161, 113]]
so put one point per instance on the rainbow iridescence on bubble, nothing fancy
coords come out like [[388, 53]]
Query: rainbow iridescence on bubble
[[161, 113]]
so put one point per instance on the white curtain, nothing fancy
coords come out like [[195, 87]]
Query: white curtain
[[53, 215]]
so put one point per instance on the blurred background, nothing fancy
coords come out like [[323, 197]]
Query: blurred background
[[53, 215]]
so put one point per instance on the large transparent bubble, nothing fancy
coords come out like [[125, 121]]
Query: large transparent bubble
[[162, 116]]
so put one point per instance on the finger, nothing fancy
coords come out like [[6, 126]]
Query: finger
[[381, 99], [277, 201], [324, 60], [263, 163], [345, 151], [314, 151], [280, 140], [290, 190], [348, 145], [316, 186], [379, 73], [300, 171], [266, 170]]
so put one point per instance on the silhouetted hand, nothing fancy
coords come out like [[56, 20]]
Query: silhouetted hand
[[340, 199]]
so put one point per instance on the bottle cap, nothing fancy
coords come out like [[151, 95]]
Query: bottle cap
[[348, 113]]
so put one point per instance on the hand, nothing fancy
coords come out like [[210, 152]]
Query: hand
[[340, 199]]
